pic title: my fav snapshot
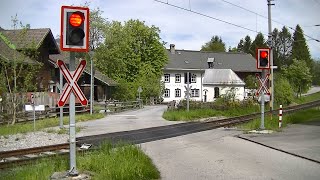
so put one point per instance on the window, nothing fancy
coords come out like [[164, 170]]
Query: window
[[167, 78], [193, 78], [194, 92], [178, 93], [167, 93], [178, 78], [216, 92]]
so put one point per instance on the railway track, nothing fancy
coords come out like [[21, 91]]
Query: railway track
[[22, 156]]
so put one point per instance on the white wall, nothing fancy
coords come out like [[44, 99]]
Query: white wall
[[172, 85], [223, 90]]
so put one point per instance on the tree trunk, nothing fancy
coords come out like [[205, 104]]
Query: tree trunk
[[14, 109]]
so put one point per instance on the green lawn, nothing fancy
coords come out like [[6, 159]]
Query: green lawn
[[124, 162], [45, 123], [195, 114], [309, 98], [295, 118]]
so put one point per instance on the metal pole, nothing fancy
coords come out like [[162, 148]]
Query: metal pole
[[271, 52], [72, 123], [61, 108], [34, 117], [91, 86], [188, 91], [262, 101]]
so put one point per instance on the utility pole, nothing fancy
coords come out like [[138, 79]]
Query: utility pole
[[61, 108], [270, 43], [188, 91], [72, 123], [91, 84]]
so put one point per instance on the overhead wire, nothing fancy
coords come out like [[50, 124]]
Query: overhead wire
[[208, 16], [271, 20]]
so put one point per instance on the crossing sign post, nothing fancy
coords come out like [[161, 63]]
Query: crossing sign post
[[71, 90]]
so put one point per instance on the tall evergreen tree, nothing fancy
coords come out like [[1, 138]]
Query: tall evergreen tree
[[259, 42], [215, 45], [285, 47], [240, 45], [300, 48], [247, 44], [276, 47]]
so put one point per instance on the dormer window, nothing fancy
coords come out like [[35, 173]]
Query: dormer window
[[210, 62]]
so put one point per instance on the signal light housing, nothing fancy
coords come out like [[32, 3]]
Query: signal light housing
[[74, 29], [263, 58]]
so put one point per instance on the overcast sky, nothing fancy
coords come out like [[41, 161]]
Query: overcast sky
[[184, 29]]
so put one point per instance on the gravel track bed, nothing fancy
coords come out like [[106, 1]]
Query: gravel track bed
[[29, 140]]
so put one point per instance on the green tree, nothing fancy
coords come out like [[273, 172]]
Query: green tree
[[283, 92], [234, 49], [276, 54], [284, 47], [18, 71], [300, 48], [251, 82], [299, 76], [247, 44], [316, 72], [240, 46], [259, 42], [214, 45], [133, 55]]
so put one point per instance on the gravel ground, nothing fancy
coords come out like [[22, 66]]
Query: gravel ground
[[33, 139]]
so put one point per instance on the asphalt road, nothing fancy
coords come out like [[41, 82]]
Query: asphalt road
[[214, 154], [149, 116], [217, 154]]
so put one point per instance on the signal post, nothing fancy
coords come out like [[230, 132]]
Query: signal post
[[263, 62], [74, 38]]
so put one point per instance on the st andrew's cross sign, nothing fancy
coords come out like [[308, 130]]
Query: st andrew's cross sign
[[263, 85], [72, 84]]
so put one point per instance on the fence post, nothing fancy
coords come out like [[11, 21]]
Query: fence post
[[280, 116]]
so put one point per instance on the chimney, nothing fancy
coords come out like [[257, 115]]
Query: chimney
[[172, 48]]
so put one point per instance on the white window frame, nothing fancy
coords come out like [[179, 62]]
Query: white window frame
[[167, 93], [177, 91], [193, 78], [178, 80], [167, 78], [195, 93]]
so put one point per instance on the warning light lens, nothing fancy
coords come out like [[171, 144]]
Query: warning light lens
[[263, 54], [76, 19]]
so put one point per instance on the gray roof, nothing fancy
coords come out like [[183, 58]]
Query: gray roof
[[221, 77], [187, 59], [29, 38], [10, 54]]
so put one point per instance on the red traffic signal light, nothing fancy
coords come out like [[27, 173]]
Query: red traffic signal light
[[76, 19], [263, 58], [74, 29]]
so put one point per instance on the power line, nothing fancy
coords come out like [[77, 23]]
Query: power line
[[271, 20], [205, 15]]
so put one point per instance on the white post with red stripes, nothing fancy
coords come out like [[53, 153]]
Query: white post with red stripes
[[280, 116]]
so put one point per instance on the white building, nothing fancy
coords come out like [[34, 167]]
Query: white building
[[211, 75]]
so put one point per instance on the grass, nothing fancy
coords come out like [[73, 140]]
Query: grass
[[194, 114], [45, 123], [124, 162], [309, 98], [295, 118]]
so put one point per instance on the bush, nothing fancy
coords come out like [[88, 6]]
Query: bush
[[283, 92]]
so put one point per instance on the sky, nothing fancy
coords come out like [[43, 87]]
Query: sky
[[185, 29]]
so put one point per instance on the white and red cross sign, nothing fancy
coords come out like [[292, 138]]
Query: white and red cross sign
[[72, 84], [263, 85]]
